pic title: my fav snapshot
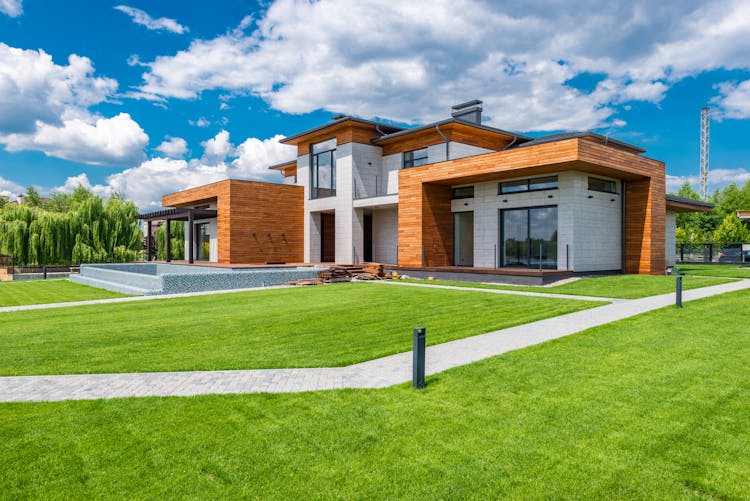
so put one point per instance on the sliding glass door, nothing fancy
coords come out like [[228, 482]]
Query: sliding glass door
[[529, 237]]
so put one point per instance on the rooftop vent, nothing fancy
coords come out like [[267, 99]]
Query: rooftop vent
[[338, 117], [470, 111]]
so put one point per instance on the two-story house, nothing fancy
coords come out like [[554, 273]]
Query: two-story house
[[454, 194]]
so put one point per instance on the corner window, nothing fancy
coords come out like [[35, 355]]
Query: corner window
[[605, 185], [522, 185], [463, 192], [415, 158], [323, 169]]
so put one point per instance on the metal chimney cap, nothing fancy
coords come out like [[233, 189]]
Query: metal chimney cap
[[473, 102]]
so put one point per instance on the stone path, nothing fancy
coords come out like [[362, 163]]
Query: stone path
[[378, 373]]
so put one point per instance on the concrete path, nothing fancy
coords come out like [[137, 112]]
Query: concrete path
[[501, 291], [377, 373]]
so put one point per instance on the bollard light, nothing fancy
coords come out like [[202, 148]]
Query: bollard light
[[420, 335], [678, 292]]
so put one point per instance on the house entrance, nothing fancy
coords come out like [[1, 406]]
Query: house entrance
[[463, 240], [529, 237], [327, 237]]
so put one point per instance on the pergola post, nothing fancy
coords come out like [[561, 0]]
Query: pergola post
[[190, 237], [168, 243], [148, 240]]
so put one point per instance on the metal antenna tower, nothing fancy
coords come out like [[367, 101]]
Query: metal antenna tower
[[705, 144]]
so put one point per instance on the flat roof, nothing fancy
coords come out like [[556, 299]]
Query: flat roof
[[578, 134], [682, 204]]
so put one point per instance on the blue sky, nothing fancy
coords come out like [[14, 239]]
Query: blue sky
[[148, 98]]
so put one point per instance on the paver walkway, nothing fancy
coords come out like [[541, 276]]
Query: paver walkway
[[376, 373]]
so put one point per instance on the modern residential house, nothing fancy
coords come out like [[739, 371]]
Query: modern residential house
[[455, 194]]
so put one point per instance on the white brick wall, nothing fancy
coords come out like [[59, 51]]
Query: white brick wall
[[385, 236], [367, 170], [671, 238], [588, 228]]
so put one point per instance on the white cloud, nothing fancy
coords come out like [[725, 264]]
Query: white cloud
[[174, 147], [716, 178], [201, 122], [96, 141], [218, 147], [254, 156], [45, 106], [395, 60], [10, 189], [733, 100], [146, 183], [163, 23], [12, 8]]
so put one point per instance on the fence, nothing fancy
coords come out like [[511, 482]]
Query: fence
[[8, 271], [714, 252]]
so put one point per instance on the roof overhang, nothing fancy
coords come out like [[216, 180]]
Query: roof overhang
[[680, 204], [743, 215], [180, 214], [336, 124]]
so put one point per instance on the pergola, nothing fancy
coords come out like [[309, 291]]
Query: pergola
[[168, 215]]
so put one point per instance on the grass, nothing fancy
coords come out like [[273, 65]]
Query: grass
[[716, 270], [652, 407], [23, 292], [614, 286], [309, 327]]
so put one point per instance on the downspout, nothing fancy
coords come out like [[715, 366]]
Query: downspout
[[515, 138], [377, 128], [447, 144]]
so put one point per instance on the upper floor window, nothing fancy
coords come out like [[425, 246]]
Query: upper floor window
[[415, 158], [323, 169], [463, 192], [605, 185], [535, 184]]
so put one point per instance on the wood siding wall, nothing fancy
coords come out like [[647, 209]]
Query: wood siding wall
[[454, 132], [274, 212], [424, 216]]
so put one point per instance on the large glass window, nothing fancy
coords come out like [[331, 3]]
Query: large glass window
[[529, 237], [323, 169], [415, 158], [535, 184]]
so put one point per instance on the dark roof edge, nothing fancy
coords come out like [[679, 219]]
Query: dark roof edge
[[338, 121], [579, 134], [691, 201], [276, 166], [448, 121]]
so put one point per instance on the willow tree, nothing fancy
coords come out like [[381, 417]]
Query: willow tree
[[177, 241], [79, 228]]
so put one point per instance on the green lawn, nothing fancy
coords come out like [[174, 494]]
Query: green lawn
[[653, 407], [23, 292], [716, 270], [302, 327], [614, 286]]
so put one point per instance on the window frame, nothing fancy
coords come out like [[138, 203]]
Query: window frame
[[454, 196], [315, 156], [408, 164], [608, 182], [528, 182]]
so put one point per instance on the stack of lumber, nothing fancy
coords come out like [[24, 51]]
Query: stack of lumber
[[366, 276], [374, 269], [306, 281], [336, 274]]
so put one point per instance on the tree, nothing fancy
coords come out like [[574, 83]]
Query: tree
[[731, 230], [32, 197], [73, 229]]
